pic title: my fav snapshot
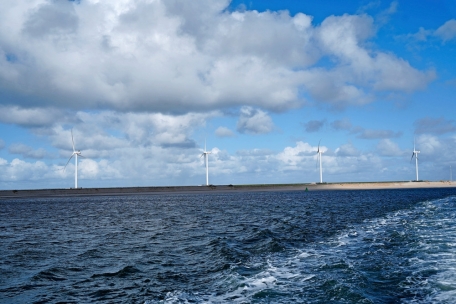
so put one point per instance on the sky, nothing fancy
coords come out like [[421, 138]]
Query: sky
[[144, 85]]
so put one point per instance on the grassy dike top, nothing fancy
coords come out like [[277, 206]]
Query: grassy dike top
[[8, 194]]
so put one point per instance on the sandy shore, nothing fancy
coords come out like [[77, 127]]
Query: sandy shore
[[7, 194]]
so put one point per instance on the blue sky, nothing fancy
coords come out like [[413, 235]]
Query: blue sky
[[143, 84]]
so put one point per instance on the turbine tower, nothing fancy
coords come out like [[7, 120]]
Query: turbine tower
[[415, 153], [206, 160], [75, 154], [319, 152]]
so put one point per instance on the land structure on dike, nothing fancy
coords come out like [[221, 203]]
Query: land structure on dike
[[7, 194]]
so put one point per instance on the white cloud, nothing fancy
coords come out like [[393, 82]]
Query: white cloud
[[384, 16], [224, 132], [108, 131], [137, 80], [294, 157], [26, 151], [347, 150], [153, 165], [19, 170], [421, 35], [31, 117], [386, 147], [180, 57], [359, 72], [254, 121], [447, 31], [428, 144]]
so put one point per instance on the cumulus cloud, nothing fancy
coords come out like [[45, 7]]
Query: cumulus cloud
[[254, 121], [135, 80], [294, 157], [31, 117], [347, 164], [347, 150], [360, 69], [20, 170], [434, 126], [447, 31], [154, 165], [428, 144], [387, 147], [26, 151], [51, 20], [224, 132], [314, 125], [108, 131], [179, 57], [128, 149]]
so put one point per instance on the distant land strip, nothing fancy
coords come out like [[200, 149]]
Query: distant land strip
[[8, 194]]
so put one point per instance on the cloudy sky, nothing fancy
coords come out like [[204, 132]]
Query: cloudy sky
[[144, 83]]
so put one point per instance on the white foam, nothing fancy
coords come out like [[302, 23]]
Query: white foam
[[431, 258]]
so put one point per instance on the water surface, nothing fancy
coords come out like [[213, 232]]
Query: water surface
[[373, 246]]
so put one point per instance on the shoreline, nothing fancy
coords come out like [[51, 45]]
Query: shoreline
[[116, 191]]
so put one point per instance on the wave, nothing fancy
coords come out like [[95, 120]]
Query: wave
[[407, 256]]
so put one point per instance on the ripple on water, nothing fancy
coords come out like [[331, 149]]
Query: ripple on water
[[274, 247]]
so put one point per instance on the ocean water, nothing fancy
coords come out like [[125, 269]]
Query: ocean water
[[374, 246]]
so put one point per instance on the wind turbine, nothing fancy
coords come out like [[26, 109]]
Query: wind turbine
[[75, 154], [319, 152], [206, 160], [415, 153]]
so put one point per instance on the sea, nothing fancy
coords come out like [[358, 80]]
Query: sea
[[363, 246]]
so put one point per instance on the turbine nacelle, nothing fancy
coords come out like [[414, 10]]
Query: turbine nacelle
[[204, 153]]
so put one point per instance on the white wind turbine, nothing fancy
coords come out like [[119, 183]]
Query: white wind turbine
[[75, 154], [415, 153], [319, 152], [206, 160]]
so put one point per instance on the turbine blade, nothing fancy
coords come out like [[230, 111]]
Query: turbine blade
[[72, 140], [68, 162], [319, 146]]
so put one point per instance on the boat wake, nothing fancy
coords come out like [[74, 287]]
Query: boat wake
[[408, 256]]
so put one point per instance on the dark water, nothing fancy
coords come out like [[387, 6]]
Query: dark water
[[383, 246]]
